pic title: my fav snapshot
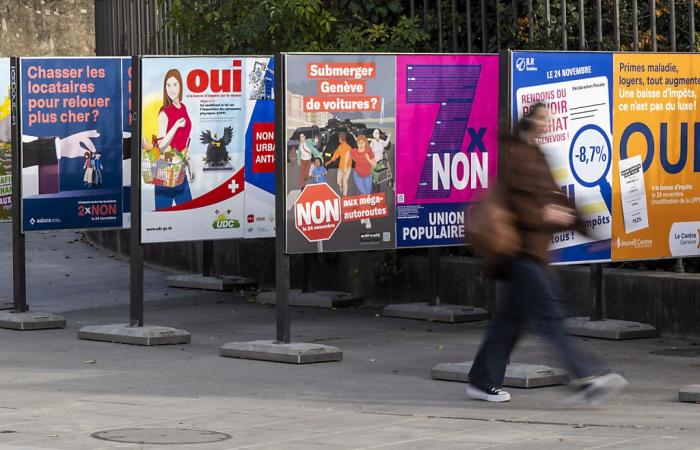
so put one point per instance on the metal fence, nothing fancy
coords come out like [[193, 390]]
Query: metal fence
[[134, 27], [125, 27]]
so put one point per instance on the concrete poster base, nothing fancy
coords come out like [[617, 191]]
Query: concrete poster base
[[293, 353], [123, 333], [690, 393], [441, 313], [220, 283], [608, 328], [315, 299], [517, 375], [31, 321]]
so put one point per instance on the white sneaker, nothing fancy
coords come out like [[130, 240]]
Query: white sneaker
[[598, 389], [495, 395]]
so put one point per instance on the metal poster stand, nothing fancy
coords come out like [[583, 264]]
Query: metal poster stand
[[20, 318], [281, 349], [135, 332]]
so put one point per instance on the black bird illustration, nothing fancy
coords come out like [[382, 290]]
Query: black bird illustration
[[217, 154]]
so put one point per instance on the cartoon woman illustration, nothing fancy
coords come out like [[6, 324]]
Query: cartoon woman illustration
[[364, 164], [89, 168], [174, 127]]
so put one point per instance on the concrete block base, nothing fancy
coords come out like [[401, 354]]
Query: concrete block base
[[608, 328], [690, 393], [442, 313], [517, 375], [219, 283], [293, 353], [31, 321], [123, 333], [315, 299]]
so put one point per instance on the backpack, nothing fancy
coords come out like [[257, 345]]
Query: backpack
[[492, 231]]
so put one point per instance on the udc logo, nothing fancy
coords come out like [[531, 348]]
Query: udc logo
[[525, 64], [224, 222]]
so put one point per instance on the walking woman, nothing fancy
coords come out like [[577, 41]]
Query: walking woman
[[540, 209]]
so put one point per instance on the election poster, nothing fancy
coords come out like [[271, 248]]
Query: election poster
[[340, 155], [656, 180], [446, 143], [192, 155], [577, 92], [71, 112], [260, 148], [5, 144]]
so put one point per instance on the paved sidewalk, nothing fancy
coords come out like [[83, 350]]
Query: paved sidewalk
[[55, 390]]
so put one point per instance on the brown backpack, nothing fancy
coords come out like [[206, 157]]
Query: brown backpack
[[492, 231]]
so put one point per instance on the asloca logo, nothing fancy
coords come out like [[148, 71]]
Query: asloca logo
[[224, 222]]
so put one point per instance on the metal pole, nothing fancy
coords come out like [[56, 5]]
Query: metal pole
[[455, 48], [547, 17], [691, 25], [413, 9], [498, 27], [616, 23], [581, 27], [484, 39], [469, 26], [425, 14], [652, 18], [284, 331], [207, 257], [597, 283], [563, 25], [672, 25], [635, 26], [530, 17], [599, 25], [19, 274], [135, 247], [434, 276], [439, 23]]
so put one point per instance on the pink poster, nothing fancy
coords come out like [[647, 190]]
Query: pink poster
[[446, 143]]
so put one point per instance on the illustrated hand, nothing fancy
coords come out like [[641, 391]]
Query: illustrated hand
[[558, 215], [180, 122], [146, 144], [77, 144]]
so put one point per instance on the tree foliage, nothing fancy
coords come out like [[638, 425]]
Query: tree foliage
[[264, 26]]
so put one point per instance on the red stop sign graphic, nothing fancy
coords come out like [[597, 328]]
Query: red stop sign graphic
[[317, 212]]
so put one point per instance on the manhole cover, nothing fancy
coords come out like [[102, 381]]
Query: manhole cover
[[676, 351], [161, 436]]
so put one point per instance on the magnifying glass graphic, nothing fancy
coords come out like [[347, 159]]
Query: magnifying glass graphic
[[590, 157]]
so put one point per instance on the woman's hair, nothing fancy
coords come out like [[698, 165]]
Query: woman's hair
[[88, 155], [361, 138], [319, 160], [172, 73], [526, 124]]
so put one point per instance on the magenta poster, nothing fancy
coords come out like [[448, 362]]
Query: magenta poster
[[446, 143]]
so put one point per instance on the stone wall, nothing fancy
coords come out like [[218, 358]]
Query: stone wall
[[669, 301], [47, 27]]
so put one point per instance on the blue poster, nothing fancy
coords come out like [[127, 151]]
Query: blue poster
[[577, 91], [72, 140]]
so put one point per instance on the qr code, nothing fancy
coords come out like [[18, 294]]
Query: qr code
[[386, 236], [400, 198]]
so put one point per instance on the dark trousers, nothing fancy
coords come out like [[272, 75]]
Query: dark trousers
[[531, 300]]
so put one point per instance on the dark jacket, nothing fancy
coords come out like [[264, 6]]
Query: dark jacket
[[529, 187]]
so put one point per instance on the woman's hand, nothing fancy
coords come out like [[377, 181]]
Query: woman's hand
[[558, 215], [181, 122]]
